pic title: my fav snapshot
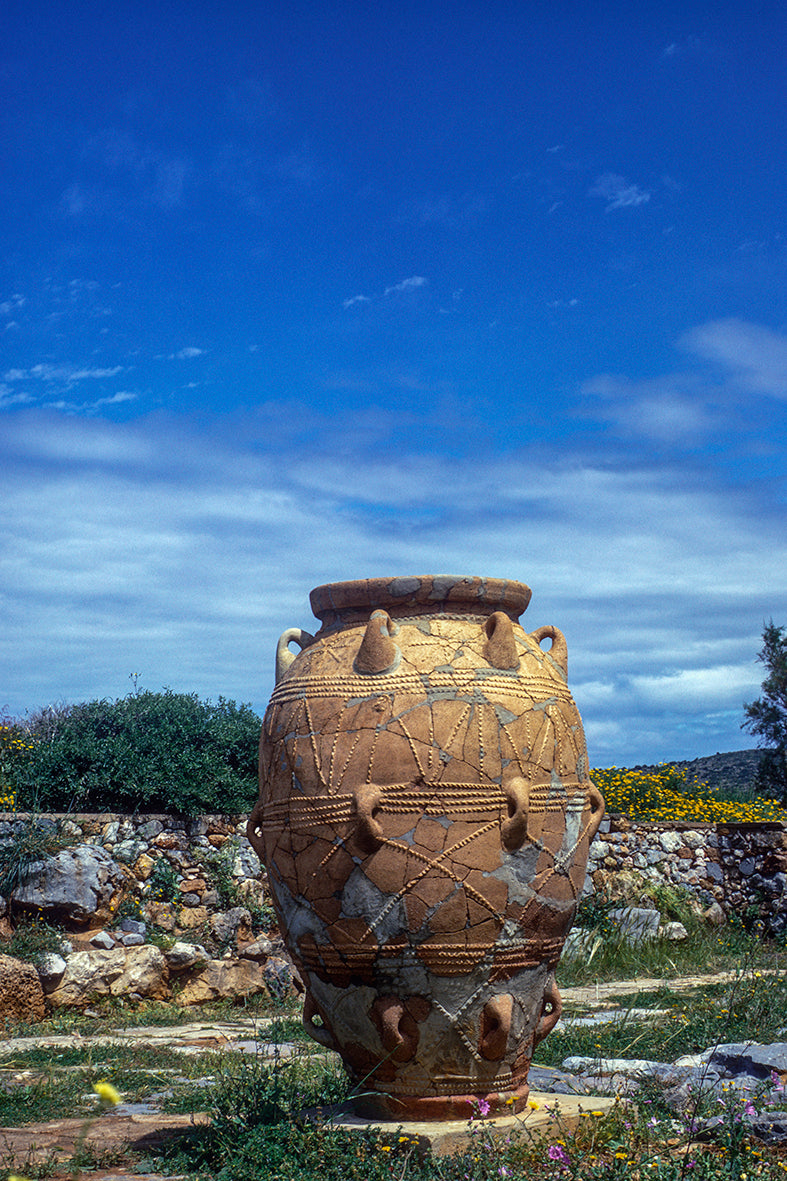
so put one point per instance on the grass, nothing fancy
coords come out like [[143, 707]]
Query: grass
[[253, 1102], [695, 1020], [708, 949]]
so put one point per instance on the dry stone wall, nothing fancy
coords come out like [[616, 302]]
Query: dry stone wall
[[740, 868], [151, 907], [212, 938]]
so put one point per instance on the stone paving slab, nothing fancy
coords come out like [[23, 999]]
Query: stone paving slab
[[599, 994], [110, 1132]]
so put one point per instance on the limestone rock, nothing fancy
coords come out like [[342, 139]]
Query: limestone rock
[[92, 974], [21, 992], [673, 931], [260, 949], [76, 885], [281, 977], [143, 867], [223, 979], [231, 925], [715, 915], [190, 917], [102, 940], [162, 914], [636, 924], [50, 967], [185, 955]]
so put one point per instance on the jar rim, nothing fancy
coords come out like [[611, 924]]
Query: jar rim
[[437, 593]]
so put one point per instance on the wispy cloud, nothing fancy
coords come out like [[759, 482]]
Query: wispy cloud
[[92, 407], [411, 284], [689, 405], [676, 573], [348, 303], [618, 192], [755, 355], [186, 354], [10, 307], [60, 373]]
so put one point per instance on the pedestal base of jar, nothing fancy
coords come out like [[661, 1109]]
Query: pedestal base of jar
[[547, 1117]]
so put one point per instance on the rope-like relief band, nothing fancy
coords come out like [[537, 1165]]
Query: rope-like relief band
[[434, 799], [535, 687], [535, 950], [455, 1085]]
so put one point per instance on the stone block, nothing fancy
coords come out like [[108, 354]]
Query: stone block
[[636, 924], [21, 991]]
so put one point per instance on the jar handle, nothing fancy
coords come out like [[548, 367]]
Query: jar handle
[[551, 1008], [284, 657], [254, 831], [597, 809], [321, 1033], [559, 650]]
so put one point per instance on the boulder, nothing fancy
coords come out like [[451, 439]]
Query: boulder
[[21, 992], [715, 915], [673, 931], [190, 917], [260, 949], [281, 978], [222, 980], [124, 970], [74, 886], [102, 940], [185, 955], [51, 967]]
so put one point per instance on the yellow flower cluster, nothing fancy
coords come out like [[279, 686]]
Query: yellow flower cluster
[[13, 747], [665, 795]]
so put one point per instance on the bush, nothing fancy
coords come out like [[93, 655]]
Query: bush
[[166, 752]]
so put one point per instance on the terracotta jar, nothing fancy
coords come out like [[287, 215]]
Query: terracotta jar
[[425, 813]]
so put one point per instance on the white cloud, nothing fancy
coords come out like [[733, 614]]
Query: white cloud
[[411, 284], [726, 685], [406, 285], [9, 306], [687, 407], [756, 356], [618, 192], [186, 354], [143, 545], [65, 373], [94, 406]]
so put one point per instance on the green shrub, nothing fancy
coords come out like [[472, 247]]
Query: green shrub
[[167, 752]]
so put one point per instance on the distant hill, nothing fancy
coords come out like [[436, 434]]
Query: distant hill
[[732, 772]]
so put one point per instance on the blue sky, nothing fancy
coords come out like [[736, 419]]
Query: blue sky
[[298, 292]]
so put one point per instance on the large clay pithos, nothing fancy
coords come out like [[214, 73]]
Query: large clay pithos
[[425, 813]]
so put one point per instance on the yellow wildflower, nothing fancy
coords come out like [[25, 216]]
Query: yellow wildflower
[[107, 1093]]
